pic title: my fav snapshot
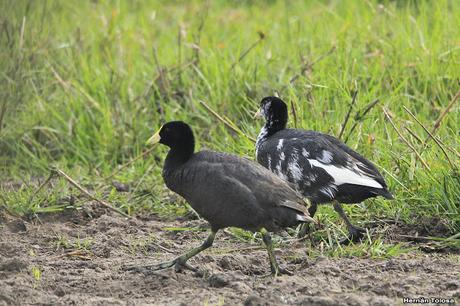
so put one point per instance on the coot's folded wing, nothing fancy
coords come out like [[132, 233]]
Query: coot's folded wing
[[267, 188]]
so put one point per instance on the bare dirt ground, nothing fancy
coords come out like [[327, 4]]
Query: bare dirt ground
[[76, 258]]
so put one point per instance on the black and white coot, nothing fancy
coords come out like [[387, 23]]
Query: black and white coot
[[226, 190], [319, 166]]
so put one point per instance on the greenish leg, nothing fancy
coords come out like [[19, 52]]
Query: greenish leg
[[355, 233], [276, 270], [179, 262]]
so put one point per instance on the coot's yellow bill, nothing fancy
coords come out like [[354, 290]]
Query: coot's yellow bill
[[258, 114], [155, 138]]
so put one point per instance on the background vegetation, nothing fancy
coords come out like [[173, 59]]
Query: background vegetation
[[83, 84]]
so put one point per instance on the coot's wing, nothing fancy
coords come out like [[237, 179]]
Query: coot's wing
[[316, 164], [339, 161], [230, 191], [268, 189], [215, 195], [362, 163]]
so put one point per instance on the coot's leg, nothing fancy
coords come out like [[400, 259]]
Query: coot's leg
[[355, 233], [306, 227], [312, 209], [179, 262], [276, 270]]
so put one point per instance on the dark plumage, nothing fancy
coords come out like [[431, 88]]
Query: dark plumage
[[320, 166], [226, 190]]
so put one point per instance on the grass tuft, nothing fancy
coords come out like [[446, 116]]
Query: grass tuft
[[82, 89]]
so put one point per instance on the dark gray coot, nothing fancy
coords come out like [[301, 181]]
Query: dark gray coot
[[226, 190], [319, 166]]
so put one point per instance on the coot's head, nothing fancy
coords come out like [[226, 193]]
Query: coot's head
[[174, 134], [274, 111]]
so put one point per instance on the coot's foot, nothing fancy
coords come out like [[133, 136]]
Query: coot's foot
[[178, 263], [279, 272], [282, 271], [356, 234], [146, 269]]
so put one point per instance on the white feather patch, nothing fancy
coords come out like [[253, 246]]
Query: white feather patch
[[260, 137], [329, 190], [309, 179], [343, 175], [280, 144], [266, 108], [301, 218], [294, 168], [305, 153], [279, 172], [326, 157], [282, 156], [312, 177]]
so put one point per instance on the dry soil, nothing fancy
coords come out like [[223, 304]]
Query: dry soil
[[77, 258]]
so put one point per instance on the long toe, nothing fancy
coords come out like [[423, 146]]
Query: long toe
[[136, 269], [357, 233], [284, 271], [179, 266], [346, 241], [139, 269], [149, 268], [278, 271]]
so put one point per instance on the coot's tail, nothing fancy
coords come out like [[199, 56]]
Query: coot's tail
[[385, 193]]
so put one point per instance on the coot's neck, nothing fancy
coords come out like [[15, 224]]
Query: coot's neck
[[179, 154], [273, 125], [270, 128]]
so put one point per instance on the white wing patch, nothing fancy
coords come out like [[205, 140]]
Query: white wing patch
[[342, 175]]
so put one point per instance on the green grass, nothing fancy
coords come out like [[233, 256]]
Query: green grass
[[63, 242], [368, 248], [36, 274], [82, 88]]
